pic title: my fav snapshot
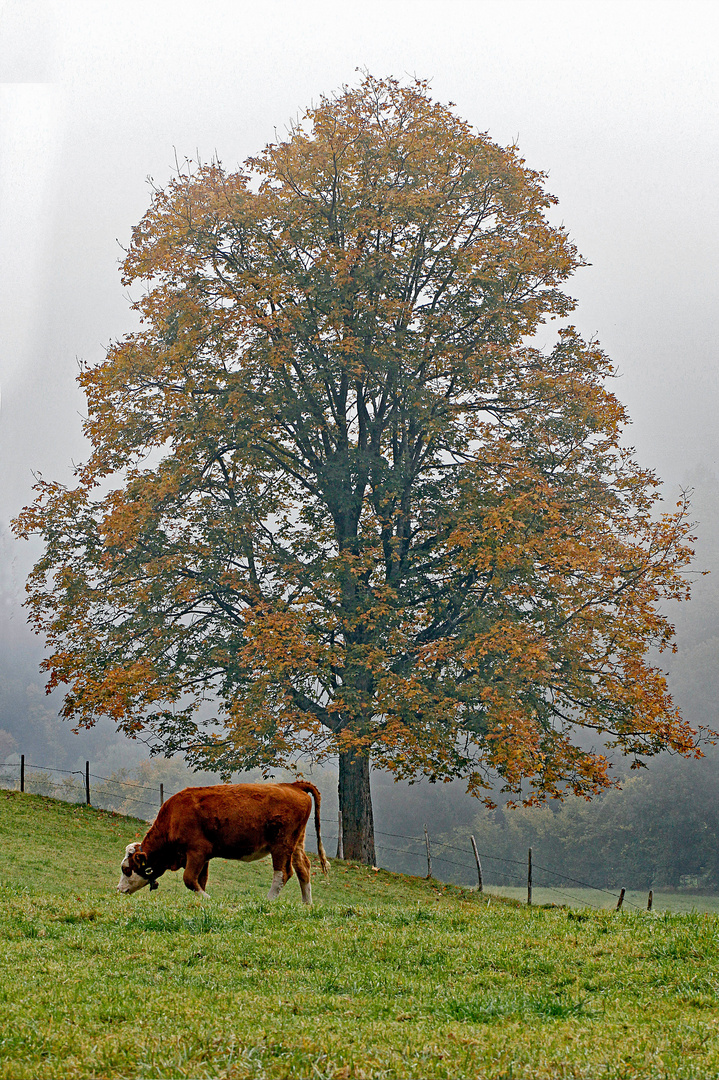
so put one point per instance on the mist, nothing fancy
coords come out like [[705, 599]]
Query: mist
[[616, 103]]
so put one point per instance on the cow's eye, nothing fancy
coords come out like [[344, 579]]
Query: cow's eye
[[126, 870]]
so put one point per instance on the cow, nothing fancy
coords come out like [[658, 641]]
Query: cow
[[227, 821]]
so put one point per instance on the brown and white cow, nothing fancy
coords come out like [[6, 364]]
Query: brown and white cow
[[227, 821]]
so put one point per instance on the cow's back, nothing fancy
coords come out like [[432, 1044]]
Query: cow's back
[[235, 820]]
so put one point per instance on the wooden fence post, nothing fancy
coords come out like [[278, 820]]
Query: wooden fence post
[[340, 845], [620, 901], [429, 853], [87, 782], [480, 886], [162, 794], [649, 901], [529, 878], [22, 772]]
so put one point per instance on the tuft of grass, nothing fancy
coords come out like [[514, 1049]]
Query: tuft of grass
[[385, 977]]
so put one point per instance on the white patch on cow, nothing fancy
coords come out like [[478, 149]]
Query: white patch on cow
[[277, 883], [306, 892], [130, 883]]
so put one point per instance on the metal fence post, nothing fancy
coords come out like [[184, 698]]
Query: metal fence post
[[162, 794], [87, 782], [429, 853], [529, 878], [22, 772]]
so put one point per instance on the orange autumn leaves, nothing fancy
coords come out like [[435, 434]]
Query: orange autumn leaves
[[337, 499]]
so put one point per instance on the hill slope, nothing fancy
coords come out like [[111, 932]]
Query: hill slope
[[384, 977], [52, 846]]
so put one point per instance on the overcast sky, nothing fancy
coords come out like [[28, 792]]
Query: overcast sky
[[617, 102]]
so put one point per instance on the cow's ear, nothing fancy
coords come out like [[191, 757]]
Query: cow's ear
[[139, 859]]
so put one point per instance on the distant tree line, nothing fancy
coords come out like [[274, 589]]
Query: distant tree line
[[660, 829]]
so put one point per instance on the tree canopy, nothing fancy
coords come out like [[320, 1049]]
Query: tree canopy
[[338, 491]]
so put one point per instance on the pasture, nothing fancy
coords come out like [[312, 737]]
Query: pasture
[[575, 896], [386, 976]]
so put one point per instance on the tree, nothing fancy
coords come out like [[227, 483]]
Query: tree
[[337, 489]]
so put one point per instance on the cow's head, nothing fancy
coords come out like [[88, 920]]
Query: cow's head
[[135, 871]]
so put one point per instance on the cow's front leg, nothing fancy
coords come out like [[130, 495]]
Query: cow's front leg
[[195, 875]]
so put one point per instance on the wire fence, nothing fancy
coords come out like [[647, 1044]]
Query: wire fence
[[83, 786], [425, 857], [420, 855]]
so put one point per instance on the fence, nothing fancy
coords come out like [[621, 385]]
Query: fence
[[84, 786], [419, 855], [422, 855]]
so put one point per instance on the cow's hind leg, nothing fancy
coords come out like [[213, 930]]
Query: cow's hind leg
[[303, 870], [196, 870], [281, 873]]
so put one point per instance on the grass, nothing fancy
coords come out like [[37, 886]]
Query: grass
[[386, 976], [575, 896]]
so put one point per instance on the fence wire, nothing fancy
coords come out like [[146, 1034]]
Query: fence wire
[[470, 867], [112, 794]]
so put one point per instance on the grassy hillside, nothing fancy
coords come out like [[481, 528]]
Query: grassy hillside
[[384, 977], [51, 847]]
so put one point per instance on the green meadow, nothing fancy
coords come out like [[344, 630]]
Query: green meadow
[[575, 896], [385, 976]]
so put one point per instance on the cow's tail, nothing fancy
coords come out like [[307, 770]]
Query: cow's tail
[[312, 790]]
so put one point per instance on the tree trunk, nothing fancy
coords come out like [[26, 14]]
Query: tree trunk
[[356, 808]]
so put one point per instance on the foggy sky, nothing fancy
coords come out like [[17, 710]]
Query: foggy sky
[[616, 101]]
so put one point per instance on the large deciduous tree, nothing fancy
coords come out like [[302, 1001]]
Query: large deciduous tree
[[337, 489]]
